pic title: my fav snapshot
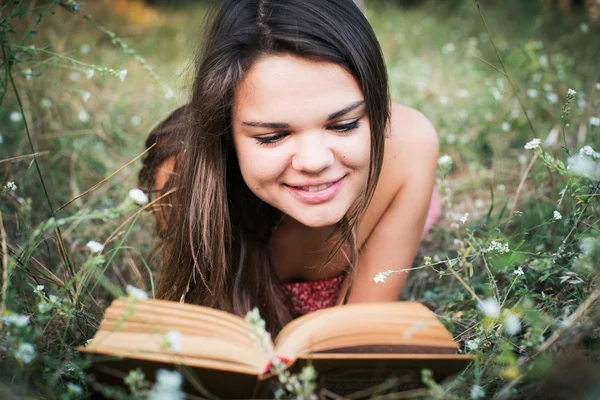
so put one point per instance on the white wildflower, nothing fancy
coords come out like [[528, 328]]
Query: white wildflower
[[95, 247], [598, 85], [595, 121], [445, 161], [28, 73], [495, 92], [552, 98], [477, 392], [89, 341], [584, 166], [518, 271], [46, 102], [25, 352], [512, 324], [83, 116], [543, 61], [382, 276], [444, 99], [74, 76], [536, 77], [85, 48], [501, 187], [123, 75], [464, 218], [505, 126], [584, 27], [90, 74], [556, 215], [173, 339], [489, 307], [571, 92], [533, 144], [588, 151], [473, 344], [18, 320], [54, 300], [16, 116], [44, 307], [38, 289], [532, 93], [168, 386], [135, 293], [547, 87], [136, 120], [10, 186], [498, 247], [479, 203], [138, 196], [86, 96], [463, 93], [73, 388], [450, 138]]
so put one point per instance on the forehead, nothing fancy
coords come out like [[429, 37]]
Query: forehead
[[294, 90]]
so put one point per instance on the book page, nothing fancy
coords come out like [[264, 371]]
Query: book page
[[390, 323]]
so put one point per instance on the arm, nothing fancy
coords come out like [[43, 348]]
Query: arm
[[394, 240]]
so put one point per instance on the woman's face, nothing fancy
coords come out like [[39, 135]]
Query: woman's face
[[302, 137]]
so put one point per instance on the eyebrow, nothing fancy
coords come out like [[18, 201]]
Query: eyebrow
[[284, 125]]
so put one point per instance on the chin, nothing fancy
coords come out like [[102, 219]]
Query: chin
[[318, 221]]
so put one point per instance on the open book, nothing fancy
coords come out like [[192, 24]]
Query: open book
[[352, 347]]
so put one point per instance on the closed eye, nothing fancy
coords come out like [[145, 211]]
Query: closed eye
[[267, 140], [346, 127]]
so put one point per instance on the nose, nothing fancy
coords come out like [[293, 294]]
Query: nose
[[312, 153]]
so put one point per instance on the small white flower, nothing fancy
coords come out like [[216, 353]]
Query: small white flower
[[136, 120], [380, 277], [86, 96], [571, 92], [505, 126], [25, 352], [584, 166], [74, 76], [18, 320], [85, 48], [450, 138], [532, 93], [556, 215], [173, 339], [46, 102], [552, 98], [73, 388], [16, 116], [498, 247], [95, 247], [594, 121], [54, 300], [463, 93], [512, 324], [489, 307], [43, 307], [495, 92], [537, 77], [533, 144], [479, 203], [138, 196], [168, 386], [477, 392], [518, 271], [90, 74], [10, 186], [473, 344], [444, 99], [544, 61], [83, 116], [445, 161], [598, 85], [588, 151], [464, 218], [501, 187], [135, 293], [584, 27], [28, 73], [38, 289], [547, 87], [123, 75]]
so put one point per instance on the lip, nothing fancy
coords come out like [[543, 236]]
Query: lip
[[320, 196]]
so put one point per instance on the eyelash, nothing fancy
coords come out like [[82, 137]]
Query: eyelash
[[345, 128]]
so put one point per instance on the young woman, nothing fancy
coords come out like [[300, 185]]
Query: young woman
[[297, 180]]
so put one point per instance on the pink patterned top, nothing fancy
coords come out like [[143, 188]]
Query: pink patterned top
[[307, 297]]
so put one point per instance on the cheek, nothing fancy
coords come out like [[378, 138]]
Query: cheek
[[258, 167], [356, 151]]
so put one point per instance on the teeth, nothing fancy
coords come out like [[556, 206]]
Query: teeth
[[316, 188]]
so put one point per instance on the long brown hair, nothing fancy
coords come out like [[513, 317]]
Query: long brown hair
[[218, 239]]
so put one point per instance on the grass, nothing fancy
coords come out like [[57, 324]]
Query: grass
[[442, 60]]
